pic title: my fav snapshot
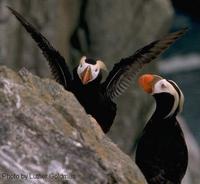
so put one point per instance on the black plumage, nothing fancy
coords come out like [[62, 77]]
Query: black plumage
[[96, 96], [92, 97], [161, 152]]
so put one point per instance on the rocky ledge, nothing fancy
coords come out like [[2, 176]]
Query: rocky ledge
[[46, 137]]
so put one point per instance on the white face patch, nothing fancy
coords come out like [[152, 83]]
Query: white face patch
[[181, 97], [164, 86], [83, 66]]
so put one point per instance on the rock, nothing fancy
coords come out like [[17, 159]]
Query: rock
[[46, 137]]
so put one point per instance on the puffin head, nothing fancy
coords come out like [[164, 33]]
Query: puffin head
[[168, 96], [89, 69]]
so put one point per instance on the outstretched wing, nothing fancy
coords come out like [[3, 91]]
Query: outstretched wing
[[123, 72], [56, 62]]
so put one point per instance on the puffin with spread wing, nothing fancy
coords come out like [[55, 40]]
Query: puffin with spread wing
[[162, 153], [95, 96]]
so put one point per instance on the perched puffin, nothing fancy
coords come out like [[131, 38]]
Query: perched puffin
[[161, 152], [95, 96]]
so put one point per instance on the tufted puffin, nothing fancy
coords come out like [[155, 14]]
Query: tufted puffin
[[161, 152], [95, 96]]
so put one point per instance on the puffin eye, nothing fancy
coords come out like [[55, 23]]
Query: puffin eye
[[96, 70], [163, 86], [81, 65]]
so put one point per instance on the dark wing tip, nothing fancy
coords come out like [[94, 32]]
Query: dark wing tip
[[172, 37], [184, 30], [179, 33], [9, 8], [18, 16], [159, 46], [13, 11]]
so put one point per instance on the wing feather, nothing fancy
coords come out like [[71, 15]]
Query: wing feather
[[56, 62], [122, 74]]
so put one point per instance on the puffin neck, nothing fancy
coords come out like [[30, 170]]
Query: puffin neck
[[164, 105]]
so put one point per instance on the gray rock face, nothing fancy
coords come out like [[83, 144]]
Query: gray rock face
[[46, 137]]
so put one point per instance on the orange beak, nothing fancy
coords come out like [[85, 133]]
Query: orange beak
[[86, 76], [146, 82]]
